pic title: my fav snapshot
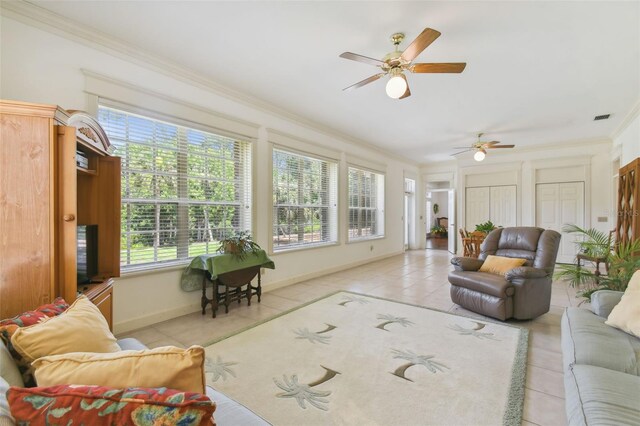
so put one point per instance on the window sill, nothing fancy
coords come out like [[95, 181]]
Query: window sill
[[364, 240], [300, 248], [157, 269]]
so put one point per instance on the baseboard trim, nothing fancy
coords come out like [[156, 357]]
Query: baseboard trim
[[304, 277], [147, 320], [156, 317]]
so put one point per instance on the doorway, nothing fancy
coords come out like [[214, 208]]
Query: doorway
[[440, 214]]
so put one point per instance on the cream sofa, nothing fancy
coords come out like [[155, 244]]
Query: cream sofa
[[228, 411]]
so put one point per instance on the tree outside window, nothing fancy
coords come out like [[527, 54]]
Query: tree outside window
[[183, 189], [366, 204], [304, 200]]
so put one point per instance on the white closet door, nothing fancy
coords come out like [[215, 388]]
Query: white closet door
[[503, 205], [558, 204], [477, 208]]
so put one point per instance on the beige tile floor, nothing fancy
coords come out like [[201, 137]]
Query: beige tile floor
[[419, 277]]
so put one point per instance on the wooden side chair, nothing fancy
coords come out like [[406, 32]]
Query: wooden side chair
[[471, 243]]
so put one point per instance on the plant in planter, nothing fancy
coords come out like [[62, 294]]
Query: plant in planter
[[486, 227], [238, 244], [438, 231], [621, 261]]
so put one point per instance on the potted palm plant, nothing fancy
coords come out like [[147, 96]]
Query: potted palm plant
[[621, 261], [486, 227]]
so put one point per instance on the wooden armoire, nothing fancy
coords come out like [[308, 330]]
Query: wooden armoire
[[628, 203], [45, 196]]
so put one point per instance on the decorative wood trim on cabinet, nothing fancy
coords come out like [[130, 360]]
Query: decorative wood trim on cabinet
[[628, 220]]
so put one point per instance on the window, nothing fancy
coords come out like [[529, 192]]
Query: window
[[182, 188], [304, 200], [366, 204]]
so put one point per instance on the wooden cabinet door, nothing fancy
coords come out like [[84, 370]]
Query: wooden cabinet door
[[67, 212], [628, 221], [26, 213], [109, 217]]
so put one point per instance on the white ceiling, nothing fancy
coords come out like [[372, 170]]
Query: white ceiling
[[537, 72]]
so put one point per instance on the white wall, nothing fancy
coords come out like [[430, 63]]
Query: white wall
[[590, 162], [628, 141], [38, 66]]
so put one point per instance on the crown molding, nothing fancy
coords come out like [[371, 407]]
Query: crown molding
[[41, 18], [632, 115]]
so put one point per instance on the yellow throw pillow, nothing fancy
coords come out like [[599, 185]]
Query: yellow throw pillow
[[500, 265], [81, 328], [626, 314], [171, 367]]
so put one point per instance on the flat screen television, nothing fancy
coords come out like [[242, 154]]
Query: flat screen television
[[87, 253]]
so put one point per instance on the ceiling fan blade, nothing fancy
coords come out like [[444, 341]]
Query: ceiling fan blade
[[421, 42], [365, 81], [444, 67], [461, 152], [360, 58], [407, 92], [500, 146]]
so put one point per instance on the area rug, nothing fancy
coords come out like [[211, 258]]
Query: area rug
[[352, 359]]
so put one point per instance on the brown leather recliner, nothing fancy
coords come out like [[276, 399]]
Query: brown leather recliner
[[524, 292]]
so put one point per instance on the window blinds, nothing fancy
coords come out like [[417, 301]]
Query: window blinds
[[304, 200], [182, 189], [366, 204]]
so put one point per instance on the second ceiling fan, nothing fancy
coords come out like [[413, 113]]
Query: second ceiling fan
[[480, 148], [397, 62]]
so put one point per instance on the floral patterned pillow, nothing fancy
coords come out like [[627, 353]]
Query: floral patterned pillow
[[99, 405], [9, 326]]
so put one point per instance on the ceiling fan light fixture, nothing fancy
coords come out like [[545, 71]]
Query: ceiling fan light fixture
[[479, 155], [396, 86]]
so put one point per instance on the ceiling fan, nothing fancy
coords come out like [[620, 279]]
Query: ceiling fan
[[396, 62], [480, 148]]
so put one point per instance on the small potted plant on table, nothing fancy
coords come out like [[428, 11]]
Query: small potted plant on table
[[238, 244]]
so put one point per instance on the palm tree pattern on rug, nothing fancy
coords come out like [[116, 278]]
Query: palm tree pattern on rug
[[218, 368], [303, 392], [349, 298], [426, 361], [390, 319], [313, 337], [475, 331]]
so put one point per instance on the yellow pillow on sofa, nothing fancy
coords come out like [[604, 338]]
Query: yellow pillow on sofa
[[500, 265], [626, 314], [81, 328], [171, 367]]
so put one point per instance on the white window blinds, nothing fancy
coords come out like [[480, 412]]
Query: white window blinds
[[366, 204], [304, 200], [182, 188]]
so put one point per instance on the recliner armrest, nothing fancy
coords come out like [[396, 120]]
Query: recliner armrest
[[466, 263], [526, 272]]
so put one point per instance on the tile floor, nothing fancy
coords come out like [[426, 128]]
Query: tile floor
[[419, 277]]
